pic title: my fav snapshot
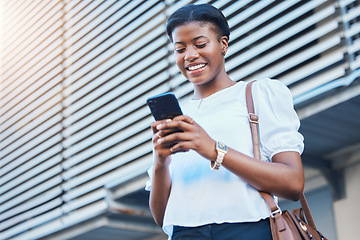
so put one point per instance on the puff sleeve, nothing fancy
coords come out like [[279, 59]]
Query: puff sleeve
[[278, 121]]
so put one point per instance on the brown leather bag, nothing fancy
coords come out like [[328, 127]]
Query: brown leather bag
[[285, 225]]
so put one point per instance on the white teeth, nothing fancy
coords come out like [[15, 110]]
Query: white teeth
[[192, 68]]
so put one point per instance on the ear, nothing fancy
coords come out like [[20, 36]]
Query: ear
[[224, 41]]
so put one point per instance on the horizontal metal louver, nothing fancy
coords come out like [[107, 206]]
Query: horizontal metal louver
[[72, 109], [297, 42], [30, 174]]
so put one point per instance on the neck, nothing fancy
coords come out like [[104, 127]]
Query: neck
[[204, 90]]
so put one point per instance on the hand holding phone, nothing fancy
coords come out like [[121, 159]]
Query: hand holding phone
[[165, 106]]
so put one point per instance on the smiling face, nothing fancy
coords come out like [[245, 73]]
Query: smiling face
[[199, 53]]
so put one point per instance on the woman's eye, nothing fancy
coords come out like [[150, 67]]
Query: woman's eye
[[180, 50], [201, 45]]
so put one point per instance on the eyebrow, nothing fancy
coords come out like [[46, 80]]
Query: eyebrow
[[192, 39]]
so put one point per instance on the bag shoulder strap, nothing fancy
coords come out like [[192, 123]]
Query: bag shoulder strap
[[253, 119]]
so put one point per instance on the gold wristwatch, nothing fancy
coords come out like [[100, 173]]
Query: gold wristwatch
[[221, 150]]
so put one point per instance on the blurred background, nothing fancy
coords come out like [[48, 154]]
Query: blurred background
[[75, 129]]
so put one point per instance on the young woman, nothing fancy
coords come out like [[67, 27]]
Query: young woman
[[206, 185]]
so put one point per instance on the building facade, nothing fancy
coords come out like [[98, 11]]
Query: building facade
[[74, 125]]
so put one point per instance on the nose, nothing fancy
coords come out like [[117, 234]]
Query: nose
[[191, 54]]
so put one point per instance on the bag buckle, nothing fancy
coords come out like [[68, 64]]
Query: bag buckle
[[253, 118], [272, 214]]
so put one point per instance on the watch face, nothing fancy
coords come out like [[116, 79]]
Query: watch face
[[221, 146]]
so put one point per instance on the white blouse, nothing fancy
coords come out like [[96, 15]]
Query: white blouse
[[201, 196]]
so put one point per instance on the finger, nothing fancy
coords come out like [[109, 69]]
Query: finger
[[183, 146], [157, 140], [183, 123], [175, 138], [166, 132], [157, 123], [177, 150], [184, 118], [159, 136]]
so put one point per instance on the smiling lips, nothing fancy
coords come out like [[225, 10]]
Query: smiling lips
[[195, 67]]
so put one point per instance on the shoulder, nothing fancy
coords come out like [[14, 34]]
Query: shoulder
[[270, 85], [271, 89], [272, 96]]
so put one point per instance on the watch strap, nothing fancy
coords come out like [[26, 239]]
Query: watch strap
[[221, 150]]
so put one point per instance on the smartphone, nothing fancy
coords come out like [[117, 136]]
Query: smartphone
[[164, 106]]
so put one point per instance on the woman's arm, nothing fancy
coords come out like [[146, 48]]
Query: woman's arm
[[160, 191], [282, 177], [161, 182]]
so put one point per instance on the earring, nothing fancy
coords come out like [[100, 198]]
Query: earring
[[224, 50]]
